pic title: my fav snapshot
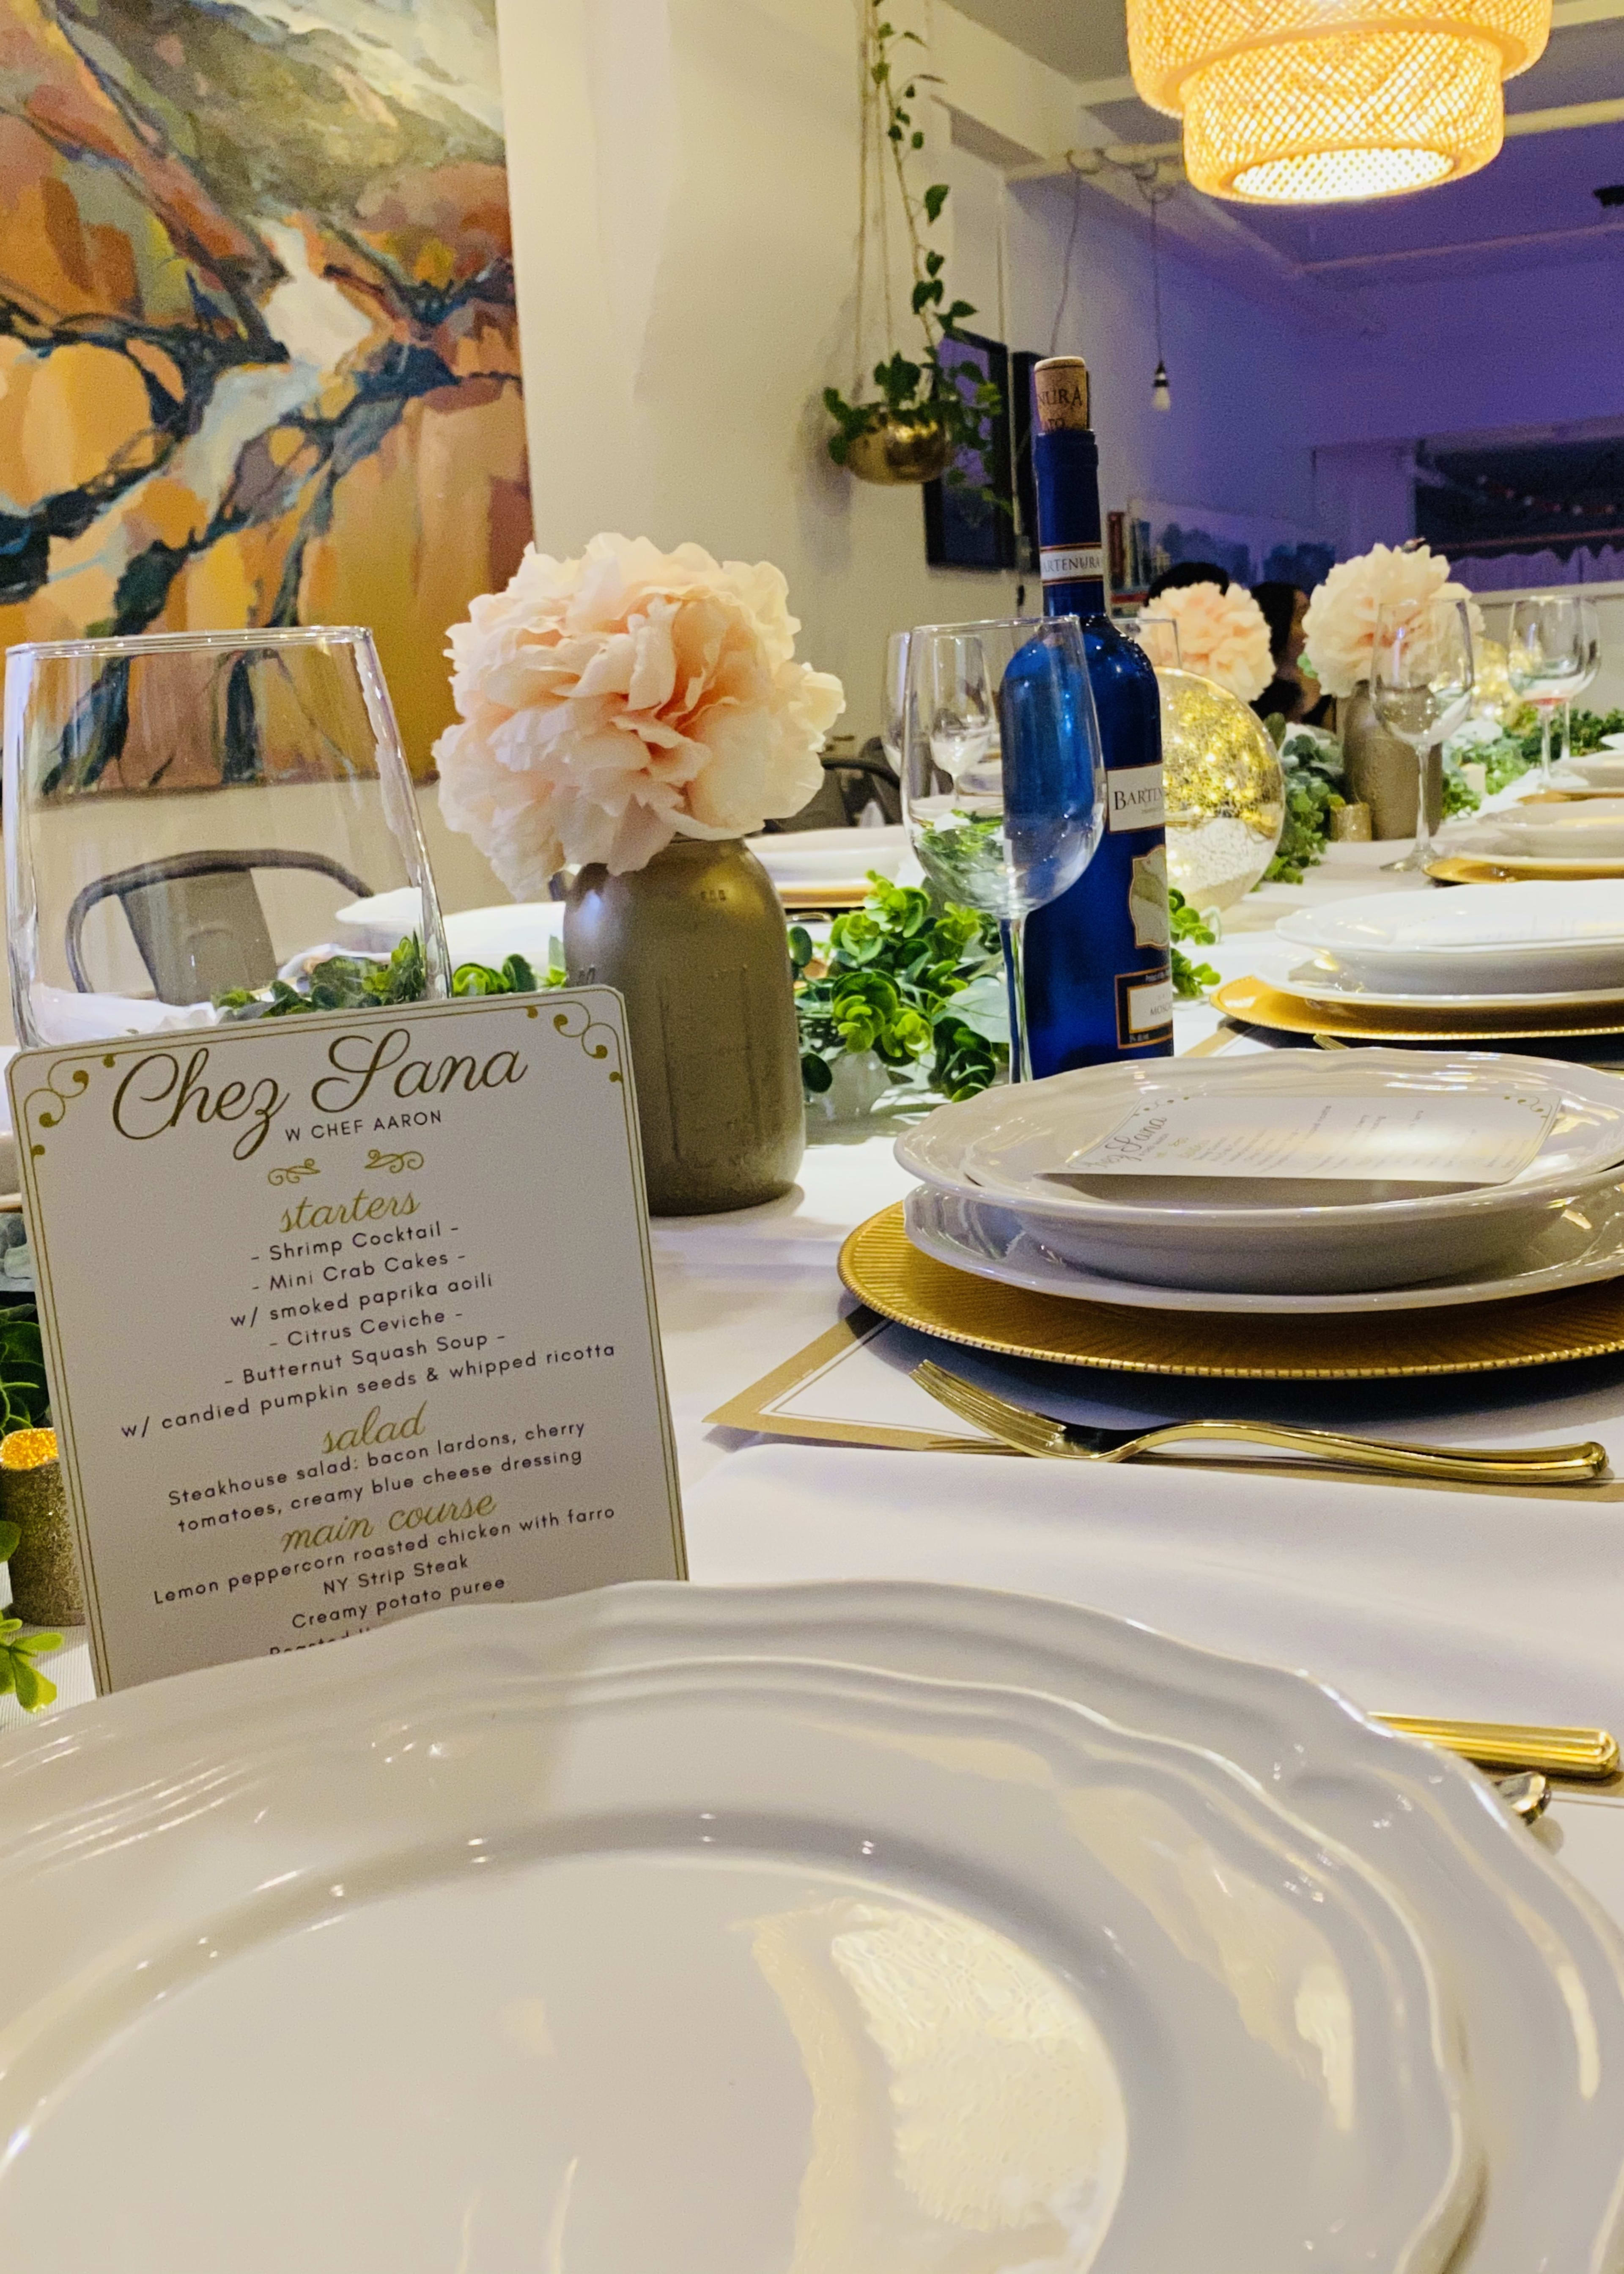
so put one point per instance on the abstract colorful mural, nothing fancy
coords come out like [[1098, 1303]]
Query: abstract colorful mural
[[258, 351]]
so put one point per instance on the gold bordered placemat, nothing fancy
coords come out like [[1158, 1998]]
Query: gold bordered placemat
[[1258, 1005], [1459, 868], [883, 1269]]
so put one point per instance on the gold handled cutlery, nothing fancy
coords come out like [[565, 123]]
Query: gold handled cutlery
[[1041, 1436]]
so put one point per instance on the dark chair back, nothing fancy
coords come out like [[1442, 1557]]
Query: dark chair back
[[196, 919]]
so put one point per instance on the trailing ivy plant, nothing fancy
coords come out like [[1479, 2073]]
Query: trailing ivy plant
[[928, 390]]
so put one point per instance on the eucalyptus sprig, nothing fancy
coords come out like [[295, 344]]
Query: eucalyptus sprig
[[20, 1676], [928, 390], [348, 982], [25, 1394], [922, 987]]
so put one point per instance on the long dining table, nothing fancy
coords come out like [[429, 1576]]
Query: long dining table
[[1505, 1605]]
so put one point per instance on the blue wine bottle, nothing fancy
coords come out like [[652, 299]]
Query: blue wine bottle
[[1098, 968]]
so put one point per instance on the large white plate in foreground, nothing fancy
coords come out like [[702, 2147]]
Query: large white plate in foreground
[[1578, 1247], [447, 1951], [1533, 936], [1537, 1969]]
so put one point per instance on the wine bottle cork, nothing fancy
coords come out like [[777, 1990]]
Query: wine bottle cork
[[46, 1590]]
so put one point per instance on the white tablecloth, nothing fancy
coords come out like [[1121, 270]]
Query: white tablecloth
[[1507, 1606]]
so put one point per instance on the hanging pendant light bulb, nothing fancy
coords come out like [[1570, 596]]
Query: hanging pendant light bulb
[[1308, 102], [1160, 393]]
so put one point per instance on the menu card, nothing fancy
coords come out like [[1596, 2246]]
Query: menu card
[[348, 1317], [1479, 1137]]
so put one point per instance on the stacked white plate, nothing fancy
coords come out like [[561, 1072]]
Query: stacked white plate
[[853, 1929], [1576, 836], [1013, 1187], [1547, 946], [806, 861]]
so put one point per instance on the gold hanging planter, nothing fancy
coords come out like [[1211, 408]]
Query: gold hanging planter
[[1311, 101], [900, 450]]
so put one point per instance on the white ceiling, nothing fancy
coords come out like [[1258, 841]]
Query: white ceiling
[[1535, 202], [1085, 38]]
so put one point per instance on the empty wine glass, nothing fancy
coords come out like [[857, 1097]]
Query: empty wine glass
[[1421, 684], [1002, 777], [193, 814], [1546, 657], [893, 694], [1590, 663]]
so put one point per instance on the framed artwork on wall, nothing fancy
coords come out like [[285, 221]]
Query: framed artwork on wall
[[258, 345], [966, 528]]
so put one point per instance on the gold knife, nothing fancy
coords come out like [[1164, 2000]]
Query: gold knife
[[1584, 1756]]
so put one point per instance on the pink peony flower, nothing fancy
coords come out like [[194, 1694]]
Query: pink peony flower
[[1222, 636], [1340, 627], [610, 702]]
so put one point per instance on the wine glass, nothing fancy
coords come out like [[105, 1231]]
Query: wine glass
[[1156, 634], [1590, 663], [893, 694], [189, 814], [1421, 684], [1545, 657], [1002, 776]]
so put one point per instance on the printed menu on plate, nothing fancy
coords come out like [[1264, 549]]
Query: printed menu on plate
[[1479, 1136], [348, 1317]]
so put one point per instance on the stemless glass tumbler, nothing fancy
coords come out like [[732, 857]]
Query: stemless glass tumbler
[[191, 814], [1002, 777]]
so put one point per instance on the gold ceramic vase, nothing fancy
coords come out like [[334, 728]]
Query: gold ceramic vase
[[46, 1590], [1383, 773], [695, 943]]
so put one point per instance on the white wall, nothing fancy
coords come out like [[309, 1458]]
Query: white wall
[[1237, 437], [683, 179]]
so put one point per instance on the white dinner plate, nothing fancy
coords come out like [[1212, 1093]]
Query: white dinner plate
[[1593, 826], [1602, 769], [468, 1955], [1277, 1236], [1322, 982], [1530, 935], [827, 859], [527, 928], [1579, 1246], [1538, 1967]]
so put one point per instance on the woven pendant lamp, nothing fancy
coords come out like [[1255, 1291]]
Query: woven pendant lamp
[[1306, 101]]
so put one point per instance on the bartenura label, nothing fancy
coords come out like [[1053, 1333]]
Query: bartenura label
[[1137, 798], [1071, 564], [1144, 1007], [397, 1370]]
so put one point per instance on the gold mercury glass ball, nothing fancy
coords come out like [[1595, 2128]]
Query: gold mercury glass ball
[[1225, 791]]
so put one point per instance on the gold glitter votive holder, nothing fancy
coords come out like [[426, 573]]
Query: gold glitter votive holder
[[45, 1581], [1351, 823]]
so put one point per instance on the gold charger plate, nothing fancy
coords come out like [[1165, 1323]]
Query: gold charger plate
[[1256, 1003], [1461, 868], [883, 1269], [808, 900]]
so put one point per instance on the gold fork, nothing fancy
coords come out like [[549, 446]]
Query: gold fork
[[1048, 1439]]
